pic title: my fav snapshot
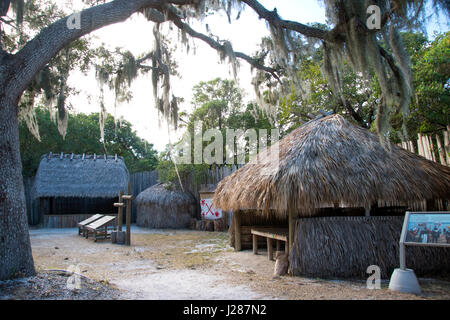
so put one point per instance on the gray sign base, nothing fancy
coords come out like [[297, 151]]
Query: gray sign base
[[404, 280]]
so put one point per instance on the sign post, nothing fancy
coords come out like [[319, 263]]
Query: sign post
[[431, 229]]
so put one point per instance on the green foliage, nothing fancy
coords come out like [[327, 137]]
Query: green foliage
[[357, 102], [196, 173], [431, 71], [218, 104], [84, 137], [429, 108]]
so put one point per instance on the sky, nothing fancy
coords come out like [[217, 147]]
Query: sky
[[202, 64]]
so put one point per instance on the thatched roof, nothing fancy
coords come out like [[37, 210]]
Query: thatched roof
[[332, 161], [161, 207], [163, 195], [87, 176]]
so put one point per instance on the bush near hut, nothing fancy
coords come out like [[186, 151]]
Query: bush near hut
[[162, 207]]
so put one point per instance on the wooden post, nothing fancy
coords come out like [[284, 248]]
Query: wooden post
[[447, 145], [120, 212], [440, 150], [291, 228], [430, 143], [367, 211], [255, 244], [278, 245], [237, 231], [420, 144], [424, 146], [128, 218], [411, 147], [41, 211], [405, 145], [427, 141], [270, 248], [51, 205]]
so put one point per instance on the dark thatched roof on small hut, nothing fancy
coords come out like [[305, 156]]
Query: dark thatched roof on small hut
[[87, 176], [162, 207], [329, 161]]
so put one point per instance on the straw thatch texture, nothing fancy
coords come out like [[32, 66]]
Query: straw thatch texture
[[158, 207], [344, 247], [75, 176], [329, 161]]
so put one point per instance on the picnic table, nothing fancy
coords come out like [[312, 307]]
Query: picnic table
[[277, 234], [100, 228], [84, 223]]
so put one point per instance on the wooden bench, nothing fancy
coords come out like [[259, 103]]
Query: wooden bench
[[100, 228], [278, 234], [84, 223]]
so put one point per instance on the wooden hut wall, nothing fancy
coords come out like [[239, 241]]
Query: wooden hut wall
[[343, 247], [32, 204], [62, 206], [355, 212], [63, 221], [67, 212], [158, 207], [250, 219], [139, 182]]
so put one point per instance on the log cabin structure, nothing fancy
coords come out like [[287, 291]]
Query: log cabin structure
[[72, 187]]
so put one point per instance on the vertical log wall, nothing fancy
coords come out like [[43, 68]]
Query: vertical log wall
[[434, 147]]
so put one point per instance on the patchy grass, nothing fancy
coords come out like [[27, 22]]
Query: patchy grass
[[175, 260], [181, 250]]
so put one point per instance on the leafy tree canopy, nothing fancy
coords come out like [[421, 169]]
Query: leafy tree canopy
[[347, 41], [218, 104], [84, 137]]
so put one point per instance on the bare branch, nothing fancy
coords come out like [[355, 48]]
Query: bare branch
[[177, 20], [273, 18], [41, 49]]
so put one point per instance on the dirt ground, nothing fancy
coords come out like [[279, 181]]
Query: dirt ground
[[191, 265]]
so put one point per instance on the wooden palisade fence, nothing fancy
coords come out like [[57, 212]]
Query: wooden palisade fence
[[432, 147]]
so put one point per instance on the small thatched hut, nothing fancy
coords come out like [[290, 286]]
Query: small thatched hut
[[72, 187], [161, 207], [341, 193]]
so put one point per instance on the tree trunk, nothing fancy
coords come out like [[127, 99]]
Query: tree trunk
[[15, 248]]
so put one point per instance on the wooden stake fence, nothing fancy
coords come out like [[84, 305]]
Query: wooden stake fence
[[431, 147]]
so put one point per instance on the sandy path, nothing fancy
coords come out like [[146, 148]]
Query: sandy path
[[184, 285], [149, 269], [194, 265]]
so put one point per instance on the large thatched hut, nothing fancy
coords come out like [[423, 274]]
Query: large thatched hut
[[72, 187], [160, 206], [342, 194]]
